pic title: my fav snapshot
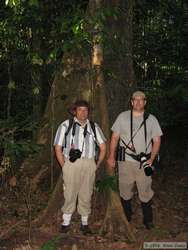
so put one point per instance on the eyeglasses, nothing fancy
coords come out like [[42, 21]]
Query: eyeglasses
[[139, 99]]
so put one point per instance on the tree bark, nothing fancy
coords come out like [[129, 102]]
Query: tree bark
[[118, 62], [114, 214]]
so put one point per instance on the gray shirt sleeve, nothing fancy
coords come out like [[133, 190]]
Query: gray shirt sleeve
[[155, 127], [116, 127]]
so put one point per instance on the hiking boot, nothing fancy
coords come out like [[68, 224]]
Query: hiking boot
[[147, 214], [64, 229], [85, 230]]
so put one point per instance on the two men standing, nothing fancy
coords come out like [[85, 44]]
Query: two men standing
[[75, 153]]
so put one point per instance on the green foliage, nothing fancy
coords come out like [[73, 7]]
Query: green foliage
[[21, 148], [37, 60], [12, 3], [36, 90], [11, 138], [11, 85], [51, 244], [108, 182], [159, 35], [34, 3]]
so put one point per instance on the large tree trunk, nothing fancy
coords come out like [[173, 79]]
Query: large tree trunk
[[118, 62], [114, 214]]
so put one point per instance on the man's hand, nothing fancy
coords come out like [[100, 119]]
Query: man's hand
[[155, 149], [62, 163], [59, 155], [113, 145], [150, 161], [102, 153]]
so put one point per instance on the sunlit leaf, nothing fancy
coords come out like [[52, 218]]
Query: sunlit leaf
[[11, 85], [37, 60], [12, 3], [36, 90], [6, 2]]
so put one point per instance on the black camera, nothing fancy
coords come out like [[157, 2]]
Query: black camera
[[74, 154], [147, 168]]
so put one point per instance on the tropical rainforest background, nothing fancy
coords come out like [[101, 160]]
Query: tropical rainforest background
[[53, 52]]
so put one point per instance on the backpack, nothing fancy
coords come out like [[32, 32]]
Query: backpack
[[92, 124]]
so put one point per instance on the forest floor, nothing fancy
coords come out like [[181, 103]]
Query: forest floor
[[169, 207]]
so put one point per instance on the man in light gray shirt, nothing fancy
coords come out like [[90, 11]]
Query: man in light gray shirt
[[139, 137]]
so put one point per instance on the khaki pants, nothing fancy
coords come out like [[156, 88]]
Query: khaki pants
[[78, 178], [129, 173]]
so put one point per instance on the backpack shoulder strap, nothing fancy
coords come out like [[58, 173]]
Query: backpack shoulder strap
[[71, 121], [92, 124], [97, 150], [146, 115]]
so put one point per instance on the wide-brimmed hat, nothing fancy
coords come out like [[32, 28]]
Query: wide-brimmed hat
[[76, 104]]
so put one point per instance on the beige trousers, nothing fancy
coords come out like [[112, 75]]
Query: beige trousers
[[78, 180], [131, 173]]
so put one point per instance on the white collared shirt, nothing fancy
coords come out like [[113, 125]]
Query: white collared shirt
[[85, 144]]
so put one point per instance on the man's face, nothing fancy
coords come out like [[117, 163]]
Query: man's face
[[138, 103], [81, 113]]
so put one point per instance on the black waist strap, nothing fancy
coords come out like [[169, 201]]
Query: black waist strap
[[121, 152], [137, 157]]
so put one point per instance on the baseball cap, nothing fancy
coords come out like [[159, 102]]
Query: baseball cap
[[138, 93]]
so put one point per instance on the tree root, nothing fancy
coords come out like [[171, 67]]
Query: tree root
[[37, 178], [114, 217], [53, 205]]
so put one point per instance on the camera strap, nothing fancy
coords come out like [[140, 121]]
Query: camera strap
[[73, 133], [145, 116], [71, 124], [85, 133], [92, 124]]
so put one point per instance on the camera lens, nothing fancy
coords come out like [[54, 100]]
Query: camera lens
[[148, 170]]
